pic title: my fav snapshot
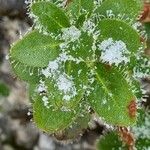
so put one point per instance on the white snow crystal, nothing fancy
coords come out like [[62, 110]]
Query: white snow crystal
[[114, 52], [66, 85], [45, 100], [51, 68], [137, 25], [63, 57], [41, 87], [89, 26], [104, 101], [71, 34], [110, 14], [53, 65]]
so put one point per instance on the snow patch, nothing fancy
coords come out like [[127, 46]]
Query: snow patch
[[114, 52], [66, 85], [51, 69], [63, 82], [71, 34], [88, 26]]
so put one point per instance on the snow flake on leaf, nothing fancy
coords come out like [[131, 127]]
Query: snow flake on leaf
[[51, 69], [63, 82], [66, 85], [88, 26], [42, 87], [71, 34], [113, 52], [45, 101]]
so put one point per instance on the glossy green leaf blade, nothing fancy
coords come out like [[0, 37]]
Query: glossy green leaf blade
[[50, 16], [35, 50], [26, 73], [112, 96], [127, 9], [50, 120], [110, 141]]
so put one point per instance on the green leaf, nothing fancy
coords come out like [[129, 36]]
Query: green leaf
[[111, 96], [74, 75], [50, 16], [120, 31], [76, 128], [147, 29], [82, 48], [80, 21], [143, 144], [76, 8], [26, 73], [35, 50], [4, 90], [52, 120], [64, 92], [110, 141], [31, 90], [126, 9]]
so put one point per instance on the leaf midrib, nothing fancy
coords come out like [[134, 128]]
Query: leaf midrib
[[49, 45], [106, 89], [79, 7], [54, 21]]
